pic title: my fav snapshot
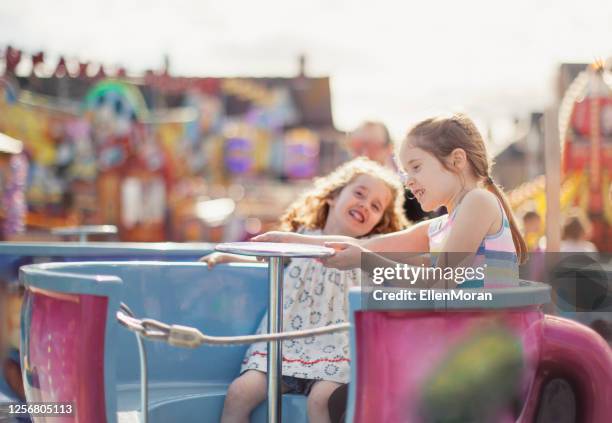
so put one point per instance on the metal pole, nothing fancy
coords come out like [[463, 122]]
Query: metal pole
[[553, 179], [82, 237], [275, 354], [144, 381], [144, 378]]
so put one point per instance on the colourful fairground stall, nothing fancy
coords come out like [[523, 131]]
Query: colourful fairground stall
[[585, 130], [163, 157]]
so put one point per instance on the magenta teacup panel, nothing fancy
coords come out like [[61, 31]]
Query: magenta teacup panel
[[64, 355]]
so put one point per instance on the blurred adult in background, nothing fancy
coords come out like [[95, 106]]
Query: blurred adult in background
[[576, 233], [373, 140]]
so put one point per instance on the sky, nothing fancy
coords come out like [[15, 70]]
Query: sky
[[396, 61]]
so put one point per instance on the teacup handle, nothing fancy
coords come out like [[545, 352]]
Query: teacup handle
[[578, 354]]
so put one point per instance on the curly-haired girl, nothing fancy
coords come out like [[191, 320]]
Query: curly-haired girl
[[358, 199]]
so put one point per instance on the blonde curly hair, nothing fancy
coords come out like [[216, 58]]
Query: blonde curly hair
[[311, 209]]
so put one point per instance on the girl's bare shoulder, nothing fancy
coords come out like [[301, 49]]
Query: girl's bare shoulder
[[482, 205], [480, 199]]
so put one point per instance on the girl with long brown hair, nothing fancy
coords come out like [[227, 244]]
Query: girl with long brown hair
[[444, 163]]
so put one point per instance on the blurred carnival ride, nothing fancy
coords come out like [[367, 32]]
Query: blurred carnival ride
[[153, 153], [585, 128]]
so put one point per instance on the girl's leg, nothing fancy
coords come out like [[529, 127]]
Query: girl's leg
[[243, 395], [318, 399]]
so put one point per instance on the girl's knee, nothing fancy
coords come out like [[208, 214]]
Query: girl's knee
[[246, 390], [317, 400], [317, 403], [239, 393]]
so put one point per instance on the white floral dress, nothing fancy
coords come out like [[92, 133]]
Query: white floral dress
[[313, 296]]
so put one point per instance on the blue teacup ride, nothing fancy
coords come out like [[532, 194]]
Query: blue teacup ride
[[16, 254], [70, 334], [74, 350]]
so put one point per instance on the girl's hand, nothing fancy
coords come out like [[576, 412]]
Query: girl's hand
[[213, 259], [276, 236], [347, 256]]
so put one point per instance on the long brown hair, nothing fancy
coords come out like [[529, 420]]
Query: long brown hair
[[439, 136], [311, 209]]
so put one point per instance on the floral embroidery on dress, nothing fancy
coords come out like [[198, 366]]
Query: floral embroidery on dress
[[313, 296]]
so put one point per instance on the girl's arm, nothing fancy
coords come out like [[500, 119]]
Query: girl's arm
[[215, 258], [413, 239], [478, 216], [348, 250]]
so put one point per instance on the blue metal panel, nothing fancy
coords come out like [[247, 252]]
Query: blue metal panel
[[188, 385]]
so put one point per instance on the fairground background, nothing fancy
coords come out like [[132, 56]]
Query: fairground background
[[198, 121]]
